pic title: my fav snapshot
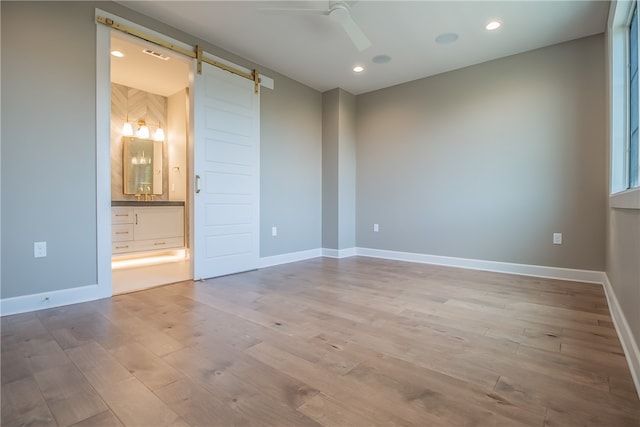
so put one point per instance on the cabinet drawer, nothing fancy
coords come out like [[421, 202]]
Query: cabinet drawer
[[121, 232], [122, 247], [158, 244], [122, 215]]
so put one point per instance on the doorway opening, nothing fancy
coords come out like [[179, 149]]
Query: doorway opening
[[149, 150]]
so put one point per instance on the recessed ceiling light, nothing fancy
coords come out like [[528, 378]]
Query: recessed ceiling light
[[358, 69], [446, 38], [117, 53], [381, 59], [493, 25]]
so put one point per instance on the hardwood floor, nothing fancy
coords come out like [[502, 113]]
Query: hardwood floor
[[351, 342]]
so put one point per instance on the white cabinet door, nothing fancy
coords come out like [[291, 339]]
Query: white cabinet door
[[227, 168], [158, 222]]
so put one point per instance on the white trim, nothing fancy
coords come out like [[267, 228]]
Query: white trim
[[26, 303], [618, 86], [575, 275], [588, 276], [273, 260], [339, 253], [629, 344], [103, 161], [0, 156], [629, 199]]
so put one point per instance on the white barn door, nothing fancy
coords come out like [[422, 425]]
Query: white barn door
[[227, 173]]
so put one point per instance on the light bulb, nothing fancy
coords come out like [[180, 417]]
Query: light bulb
[[159, 135], [127, 129], [493, 25]]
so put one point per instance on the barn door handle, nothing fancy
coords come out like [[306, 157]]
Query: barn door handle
[[197, 184]]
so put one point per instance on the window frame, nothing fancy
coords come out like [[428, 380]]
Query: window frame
[[634, 99], [620, 15]]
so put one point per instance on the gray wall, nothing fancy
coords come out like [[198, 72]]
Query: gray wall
[[487, 162], [291, 167], [48, 147], [338, 170], [347, 171], [330, 178]]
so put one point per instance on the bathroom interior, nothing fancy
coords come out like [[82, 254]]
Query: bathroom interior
[[149, 165]]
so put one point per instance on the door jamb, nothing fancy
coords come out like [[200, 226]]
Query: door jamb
[[103, 142], [103, 148]]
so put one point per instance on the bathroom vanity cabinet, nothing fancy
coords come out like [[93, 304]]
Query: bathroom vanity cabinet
[[146, 228]]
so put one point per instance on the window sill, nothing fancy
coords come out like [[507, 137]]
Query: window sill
[[628, 199]]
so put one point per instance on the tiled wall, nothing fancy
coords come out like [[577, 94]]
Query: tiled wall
[[136, 105]]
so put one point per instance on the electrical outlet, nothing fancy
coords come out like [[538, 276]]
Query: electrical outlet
[[274, 231], [39, 249], [376, 228], [557, 238]]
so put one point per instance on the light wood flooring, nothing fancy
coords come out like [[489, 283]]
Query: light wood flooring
[[351, 342]]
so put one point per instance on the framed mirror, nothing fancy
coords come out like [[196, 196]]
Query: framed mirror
[[142, 166]]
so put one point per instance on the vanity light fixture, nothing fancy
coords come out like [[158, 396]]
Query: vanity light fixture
[[143, 130], [159, 134], [127, 129]]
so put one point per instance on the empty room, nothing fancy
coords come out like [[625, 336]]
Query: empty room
[[322, 213]]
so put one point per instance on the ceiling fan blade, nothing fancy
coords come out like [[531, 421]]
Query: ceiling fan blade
[[295, 11], [360, 41]]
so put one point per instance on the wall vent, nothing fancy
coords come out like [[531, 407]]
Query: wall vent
[[155, 54]]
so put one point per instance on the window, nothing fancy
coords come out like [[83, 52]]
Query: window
[[633, 99], [624, 100]]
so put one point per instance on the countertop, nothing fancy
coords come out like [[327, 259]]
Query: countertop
[[148, 203]]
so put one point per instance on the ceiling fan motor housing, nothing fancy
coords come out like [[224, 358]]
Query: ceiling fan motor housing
[[339, 12]]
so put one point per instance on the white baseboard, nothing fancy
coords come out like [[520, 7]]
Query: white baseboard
[[270, 261], [26, 303], [629, 344], [588, 276], [339, 253]]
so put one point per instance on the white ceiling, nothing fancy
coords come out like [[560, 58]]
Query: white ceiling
[[145, 72], [314, 50]]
